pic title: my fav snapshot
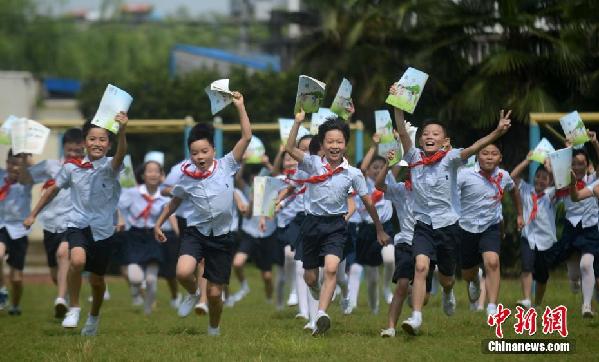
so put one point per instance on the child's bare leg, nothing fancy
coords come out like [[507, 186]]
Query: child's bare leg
[[186, 267]]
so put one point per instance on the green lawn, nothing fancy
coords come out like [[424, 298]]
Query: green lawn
[[253, 330]]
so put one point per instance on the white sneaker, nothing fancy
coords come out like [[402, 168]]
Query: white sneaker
[[301, 316], [349, 309], [388, 296], [72, 318], [137, 301], [60, 308], [344, 302], [293, 300], [587, 311], [475, 307], [524, 303], [176, 301], [310, 326], [473, 291], [411, 326], [388, 333], [230, 302], [213, 332], [201, 309], [241, 294], [491, 310], [323, 323], [187, 304], [90, 328], [448, 303]]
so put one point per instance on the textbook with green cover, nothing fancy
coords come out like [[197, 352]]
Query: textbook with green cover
[[310, 94], [127, 176], [219, 94], [113, 101], [255, 152], [539, 154], [384, 127], [342, 100], [574, 129], [266, 190], [409, 89], [5, 130]]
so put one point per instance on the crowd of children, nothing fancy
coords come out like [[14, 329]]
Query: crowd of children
[[333, 222]]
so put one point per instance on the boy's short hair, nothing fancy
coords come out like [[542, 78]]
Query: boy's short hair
[[377, 158], [496, 144], [333, 123], [141, 169], [314, 146], [89, 125], [72, 135], [201, 131], [583, 152], [429, 122]]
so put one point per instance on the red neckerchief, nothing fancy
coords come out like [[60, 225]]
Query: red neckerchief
[[197, 174], [79, 163], [321, 178], [147, 211], [296, 194], [5, 189], [289, 172], [424, 161], [565, 192], [535, 205], [494, 181], [376, 196]]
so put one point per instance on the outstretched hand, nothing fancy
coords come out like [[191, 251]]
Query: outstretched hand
[[504, 122]]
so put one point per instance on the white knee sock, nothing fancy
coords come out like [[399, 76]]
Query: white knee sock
[[136, 276], [588, 277], [302, 289], [151, 286], [342, 279], [355, 273], [290, 270]]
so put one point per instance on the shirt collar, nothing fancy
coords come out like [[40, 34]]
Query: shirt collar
[[344, 165], [195, 168], [97, 163], [144, 190]]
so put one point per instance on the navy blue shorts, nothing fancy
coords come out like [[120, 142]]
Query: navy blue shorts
[[440, 245], [321, 236], [15, 248], [352, 236], [97, 253], [404, 266], [51, 243], [535, 261], [170, 255], [142, 248], [583, 240], [217, 252], [368, 249], [262, 251], [473, 245]]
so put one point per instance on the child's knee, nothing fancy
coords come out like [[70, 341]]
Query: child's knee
[[267, 276], [77, 263], [421, 268]]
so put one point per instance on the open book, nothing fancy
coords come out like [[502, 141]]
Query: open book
[[342, 100], [310, 94], [574, 129], [219, 94], [319, 118], [266, 190], [409, 89], [561, 166], [127, 176], [113, 101], [384, 127], [28, 136], [5, 129]]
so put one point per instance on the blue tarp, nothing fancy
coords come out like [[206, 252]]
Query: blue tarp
[[62, 85]]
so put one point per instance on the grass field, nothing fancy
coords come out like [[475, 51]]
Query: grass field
[[253, 330]]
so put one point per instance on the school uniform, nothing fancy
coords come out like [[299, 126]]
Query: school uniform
[[15, 206], [208, 232], [353, 224], [141, 211], [580, 225], [481, 212], [186, 206], [539, 233], [401, 196], [368, 250], [324, 229], [436, 207], [288, 224], [95, 190], [55, 215]]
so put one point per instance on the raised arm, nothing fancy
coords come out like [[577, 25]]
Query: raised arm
[[44, 200], [276, 167], [517, 171], [295, 152], [594, 142], [376, 139], [380, 183], [168, 210], [121, 147], [246, 128], [502, 127]]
